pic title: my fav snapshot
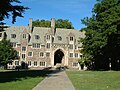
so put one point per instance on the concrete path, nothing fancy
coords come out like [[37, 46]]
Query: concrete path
[[55, 81]]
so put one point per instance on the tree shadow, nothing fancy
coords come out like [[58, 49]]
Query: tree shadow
[[19, 75]]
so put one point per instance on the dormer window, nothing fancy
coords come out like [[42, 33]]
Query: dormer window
[[48, 37], [59, 38], [24, 35], [71, 38], [13, 35], [37, 36]]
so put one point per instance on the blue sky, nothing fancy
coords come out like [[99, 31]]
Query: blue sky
[[73, 10]]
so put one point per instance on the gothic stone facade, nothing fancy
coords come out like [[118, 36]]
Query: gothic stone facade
[[41, 47]]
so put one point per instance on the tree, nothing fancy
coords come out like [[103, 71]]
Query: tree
[[7, 53], [41, 23], [8, 7], [60, 23], [102, 35]]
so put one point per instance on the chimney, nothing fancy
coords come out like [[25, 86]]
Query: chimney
[[53, 25], [30, 25]]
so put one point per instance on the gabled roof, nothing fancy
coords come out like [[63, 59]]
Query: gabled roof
[[65, 33], [15, 30], [42, 32]]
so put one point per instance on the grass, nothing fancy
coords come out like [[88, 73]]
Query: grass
[[22, 80], [95, 80]]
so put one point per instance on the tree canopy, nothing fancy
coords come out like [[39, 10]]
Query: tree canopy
[[101, 45], [7, 53], [59, 23], [8, 8]]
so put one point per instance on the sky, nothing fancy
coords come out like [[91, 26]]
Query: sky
[[73, 10]]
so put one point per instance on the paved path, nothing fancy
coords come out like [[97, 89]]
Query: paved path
[[55, 81]]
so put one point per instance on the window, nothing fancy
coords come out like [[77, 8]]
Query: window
[[16, 62], [59, 38], [13, 44], [76, 55], [71, 54], [10, 63], [36, 45], [29, 63], [0, 34], [35, 63], [23, 48], [18, 54], [75, 46], [47, 54], [48, 45], [24, 36], [71, 46], [41, 54], [48, 37], [42, 63], [75, 64], [13, 35], [30, 54], [37, 37], [23, 56], [71, 38]]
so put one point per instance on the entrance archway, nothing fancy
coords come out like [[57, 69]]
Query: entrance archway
[[58, 56]]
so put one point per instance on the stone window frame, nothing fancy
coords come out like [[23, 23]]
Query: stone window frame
[[48, 45], [24, 48], [37, 37], [10, 63], [35, 63], [47, 54], [24, 36], [59, 38], [17, 63], [42, 64], [29, 63], [23, 56], [36, 45], [71, 38], [13, 35], [74, 64], [47, 37], [76, 55], [71, 55], [13, 44], [41, 54], [30, 55]]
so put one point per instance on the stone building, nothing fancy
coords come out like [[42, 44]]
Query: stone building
[[44, 47]]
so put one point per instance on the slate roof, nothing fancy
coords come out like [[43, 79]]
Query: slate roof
[[64, 33], [15, 30], [42, 31]]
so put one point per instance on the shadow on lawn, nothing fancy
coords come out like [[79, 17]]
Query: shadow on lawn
[[18, 75]]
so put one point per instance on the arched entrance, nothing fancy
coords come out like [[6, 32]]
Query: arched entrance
[[58, 56]]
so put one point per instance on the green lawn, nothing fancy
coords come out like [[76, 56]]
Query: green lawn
[[22, 80], [95, 80]]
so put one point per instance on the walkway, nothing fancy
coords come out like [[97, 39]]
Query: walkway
[[55, 81]]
